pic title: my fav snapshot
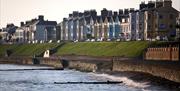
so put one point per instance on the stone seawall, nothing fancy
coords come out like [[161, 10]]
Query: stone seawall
[[79, 65], [167, 70], [55, 62], [17, 60]]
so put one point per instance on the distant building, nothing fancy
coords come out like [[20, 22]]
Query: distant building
[[81, 28], [125, 34], [117, 27], [166, 21], [8, 33], [133, 25], [159, 20], [75, 29], [153, 21], [45, 29], [20, 35], [36, 30], [103, 28], [50, 33], [102, 33], [111, 30], [150, 21], [58, 31], [64, 29], [70, 28], [92, 25]]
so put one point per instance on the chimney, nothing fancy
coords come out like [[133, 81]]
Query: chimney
[[86, 13], [167, 3], [151, 4], [65, 19], [70, 15], [115, 13], [41, 17], [104, 12], [81, 14], [93, 13], [22, 24], [131, 10], [120, 11], [142, 5], [126, 11], [159, 3], [75, 14]]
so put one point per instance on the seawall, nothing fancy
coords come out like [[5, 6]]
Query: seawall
[[17, 60], [167, 70], [82, 66], [164, 69], [54, 62], [87, 63]]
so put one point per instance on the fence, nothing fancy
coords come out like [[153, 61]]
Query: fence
[[162, 53]]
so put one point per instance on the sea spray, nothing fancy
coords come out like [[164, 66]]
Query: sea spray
[[125, 80]]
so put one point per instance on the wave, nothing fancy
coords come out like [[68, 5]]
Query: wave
[[125, 80]]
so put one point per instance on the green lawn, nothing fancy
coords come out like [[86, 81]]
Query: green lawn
[[125, 49], [26, 49]]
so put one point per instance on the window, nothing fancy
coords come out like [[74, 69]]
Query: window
[[162, 26], [160, 17]]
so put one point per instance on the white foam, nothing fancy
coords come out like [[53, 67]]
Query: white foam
[[125, 80]]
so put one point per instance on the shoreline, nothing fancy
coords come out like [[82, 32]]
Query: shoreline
[[129, 67], [137, 77]]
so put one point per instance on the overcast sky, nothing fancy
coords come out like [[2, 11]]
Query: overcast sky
[[15, 11]]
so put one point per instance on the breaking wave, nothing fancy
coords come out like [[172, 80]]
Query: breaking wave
[[125, 80]]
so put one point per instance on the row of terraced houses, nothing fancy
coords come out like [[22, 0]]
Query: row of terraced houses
[[155, 20]]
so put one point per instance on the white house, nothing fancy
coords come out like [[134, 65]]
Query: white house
[[20, 35], [126, 32]]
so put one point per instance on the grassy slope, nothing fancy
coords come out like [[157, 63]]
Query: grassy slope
[[26, 49], [125, 49]]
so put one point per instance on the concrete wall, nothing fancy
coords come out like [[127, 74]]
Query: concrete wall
[[163, 53], [167, 70]]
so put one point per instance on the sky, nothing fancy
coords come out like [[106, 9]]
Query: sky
[[15, 11]]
